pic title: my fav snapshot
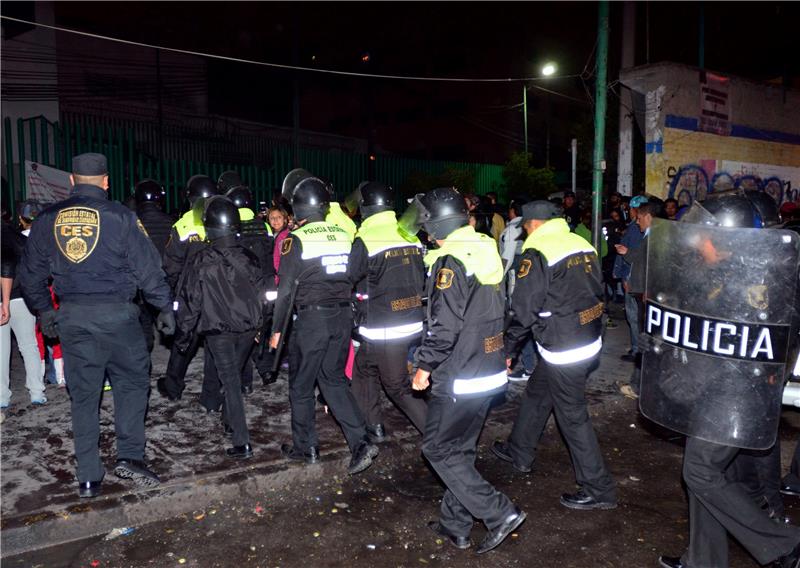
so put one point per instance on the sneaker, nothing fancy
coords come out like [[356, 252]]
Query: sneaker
[[107, 386], [62, 382], [39, 401], [520, 375]]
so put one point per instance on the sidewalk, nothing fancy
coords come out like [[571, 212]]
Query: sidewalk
[[185, 447]]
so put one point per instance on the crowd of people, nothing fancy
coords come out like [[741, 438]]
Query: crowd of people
[[461, 291]]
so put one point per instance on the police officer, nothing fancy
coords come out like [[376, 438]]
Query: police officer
[[462, 356], [723, 398], [336, 215], [256, 236], [315, 280], [222, 298], [98, 254], [558, 297], [149, 201], [186, 239], [390, 276]]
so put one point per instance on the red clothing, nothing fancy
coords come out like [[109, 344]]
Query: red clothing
[[276, 252]]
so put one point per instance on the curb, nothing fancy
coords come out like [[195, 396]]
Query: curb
[[87, 518]]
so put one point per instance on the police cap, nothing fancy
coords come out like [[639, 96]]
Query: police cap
[[89, 165], [540, 210]]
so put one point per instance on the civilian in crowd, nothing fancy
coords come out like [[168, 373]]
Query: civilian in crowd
[[614, 228], [17, 318], [279, 221], [622, 269], [572, 210], [671, 209]]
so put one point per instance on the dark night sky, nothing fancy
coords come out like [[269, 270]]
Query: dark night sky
[[469, 39]]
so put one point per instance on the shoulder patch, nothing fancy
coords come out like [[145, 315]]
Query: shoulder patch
[[286, 246], [524, 268], [444, 278], [77, 230], [141, 227]]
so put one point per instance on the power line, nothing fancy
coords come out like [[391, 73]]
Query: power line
[[286, 67]]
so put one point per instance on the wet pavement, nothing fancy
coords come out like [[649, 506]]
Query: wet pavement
[[212, 512]]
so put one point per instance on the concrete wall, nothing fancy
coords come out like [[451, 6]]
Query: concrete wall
[[749, 135]]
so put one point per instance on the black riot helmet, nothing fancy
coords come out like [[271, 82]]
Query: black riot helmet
[[149, 191], [370, 197], [241, 196], [765, 205], [724, 209], [200, 186], [220, 217], [229, 180], [310, 200], [439, 212]]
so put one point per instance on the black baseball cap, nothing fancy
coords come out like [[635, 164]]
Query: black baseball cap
[[90, 165], [541, 210]]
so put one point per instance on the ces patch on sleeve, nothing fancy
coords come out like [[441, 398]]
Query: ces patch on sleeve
[[286, 245], [444, 278], [524, 268]]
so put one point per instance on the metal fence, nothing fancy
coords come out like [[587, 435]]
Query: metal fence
[[128, 146]]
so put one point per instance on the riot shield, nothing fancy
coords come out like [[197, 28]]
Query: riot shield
[[719, 308]]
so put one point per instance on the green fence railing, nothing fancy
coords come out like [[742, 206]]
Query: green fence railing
[[129, 159]]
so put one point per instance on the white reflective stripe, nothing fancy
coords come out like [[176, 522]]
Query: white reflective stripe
[[272, 295], [175, 306], [480, 384], [571, 355], [388, 246], [551, 262], [388, 333], [545, 314]]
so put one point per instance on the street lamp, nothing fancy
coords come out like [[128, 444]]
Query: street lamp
[[548, 70]]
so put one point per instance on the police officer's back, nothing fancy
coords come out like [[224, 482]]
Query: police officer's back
[[149, 198], [98, 255], [315, 280]]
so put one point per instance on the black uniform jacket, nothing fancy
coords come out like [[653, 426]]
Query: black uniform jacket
[[464, 344], [157, 223], [255, 238], [389, 285], [96, 250], [222, 291]]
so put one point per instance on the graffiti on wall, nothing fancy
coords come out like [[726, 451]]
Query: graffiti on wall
[[694, 181]]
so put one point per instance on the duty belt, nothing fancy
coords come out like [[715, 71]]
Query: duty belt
[[323, 306]]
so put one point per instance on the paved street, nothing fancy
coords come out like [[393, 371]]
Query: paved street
[[212, 512]]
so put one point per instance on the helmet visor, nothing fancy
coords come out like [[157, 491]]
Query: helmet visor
[[413, 218]]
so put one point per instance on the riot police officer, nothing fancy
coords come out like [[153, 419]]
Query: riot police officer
[[186, 239], [558, 297], [390, 276], [315, 280], [255, 235], [149, 202], [98, 254], [462, 356], [222, 298], [716, 337]]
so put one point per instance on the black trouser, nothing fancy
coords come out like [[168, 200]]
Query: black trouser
[[718, 506], [560, 389], [385, 362], [759, 471], [318, 349], [100, 340], [449, 443], [175, 380], [230, 352]]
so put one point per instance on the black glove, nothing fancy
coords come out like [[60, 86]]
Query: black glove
[[165, 322], [646, 342], [47, 321]]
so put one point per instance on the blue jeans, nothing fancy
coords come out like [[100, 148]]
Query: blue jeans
[[632, 316], [528, 355]]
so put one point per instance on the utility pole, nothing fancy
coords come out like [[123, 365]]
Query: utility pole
[[598, 160], [525, 115], [574, 150], [625, 152]]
